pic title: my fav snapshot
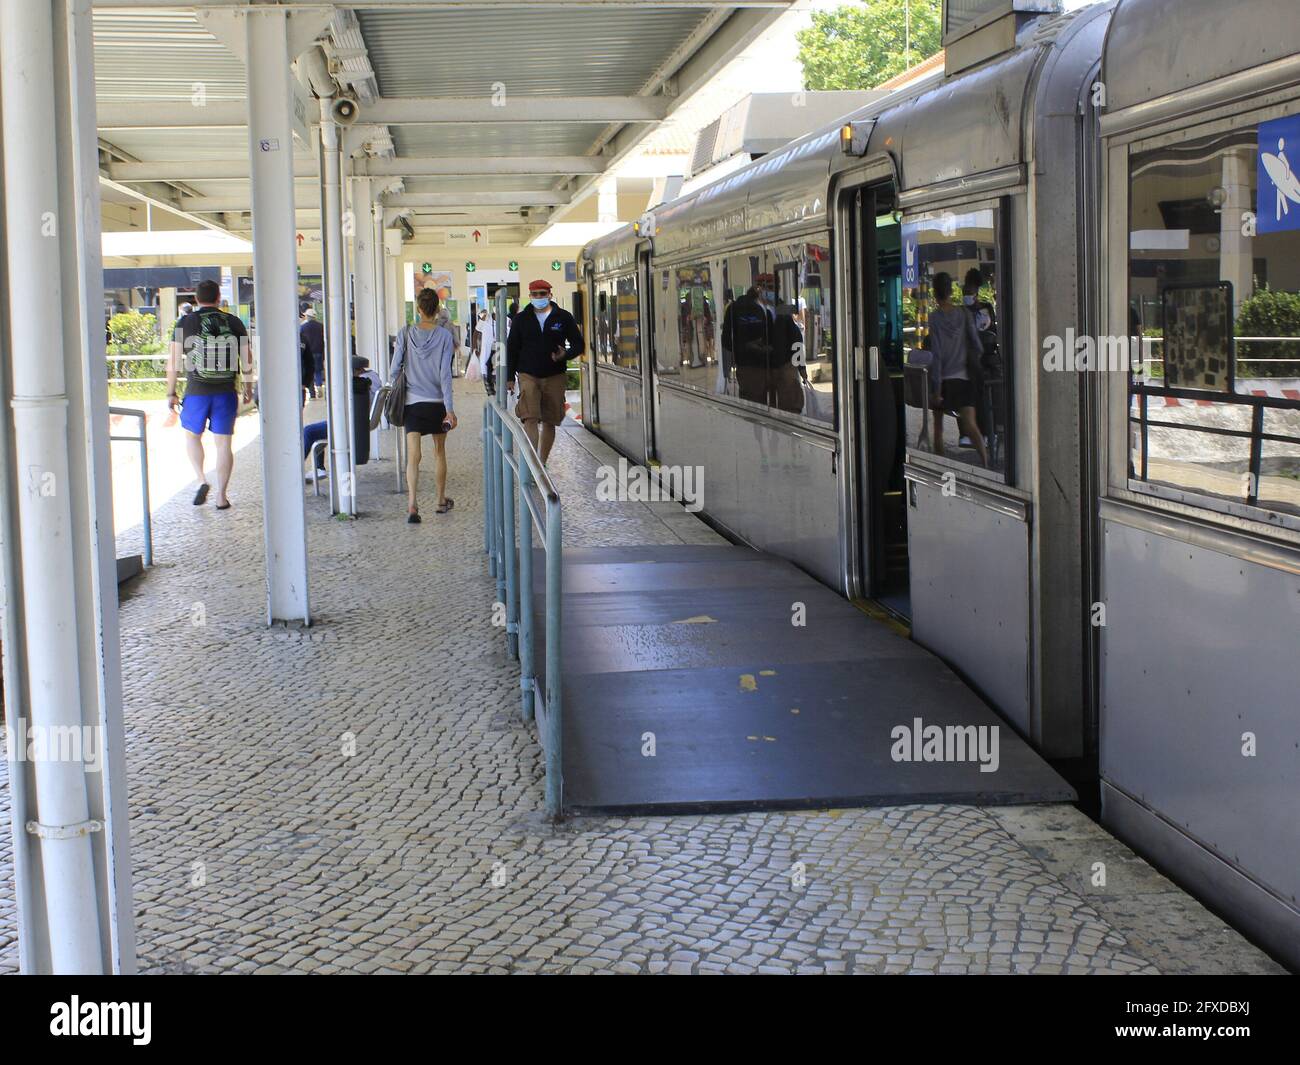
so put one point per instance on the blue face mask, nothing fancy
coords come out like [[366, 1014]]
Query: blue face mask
[[541, 304]]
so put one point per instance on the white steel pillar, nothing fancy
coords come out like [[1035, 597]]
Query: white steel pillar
[[379, 361], [337, 336], [63, 697], [270, 152], [363, 281]]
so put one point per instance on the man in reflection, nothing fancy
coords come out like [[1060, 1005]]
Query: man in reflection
[[761, 338], [747, 339]]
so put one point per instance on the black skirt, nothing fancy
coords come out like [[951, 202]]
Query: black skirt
[[425, 418]]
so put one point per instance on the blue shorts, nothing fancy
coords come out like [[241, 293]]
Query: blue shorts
[[213, 412]]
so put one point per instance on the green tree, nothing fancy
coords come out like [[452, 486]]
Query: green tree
[[862, 44]]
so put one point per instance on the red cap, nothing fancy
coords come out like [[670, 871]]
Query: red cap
[[539, 284]]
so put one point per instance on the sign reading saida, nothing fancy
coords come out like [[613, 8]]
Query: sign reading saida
[[1277, 206]]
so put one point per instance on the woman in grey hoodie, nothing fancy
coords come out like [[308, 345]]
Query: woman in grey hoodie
[[425, 351]]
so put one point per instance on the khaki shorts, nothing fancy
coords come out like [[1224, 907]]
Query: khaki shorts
[[541, 399]]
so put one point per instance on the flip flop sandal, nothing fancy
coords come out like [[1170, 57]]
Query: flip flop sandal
[[201, 496], [445, 506], [225, 506], [413, 517]]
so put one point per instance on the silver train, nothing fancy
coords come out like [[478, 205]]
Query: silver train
[[1107, 547]]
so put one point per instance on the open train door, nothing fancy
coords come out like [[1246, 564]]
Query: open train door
[[875, 307]]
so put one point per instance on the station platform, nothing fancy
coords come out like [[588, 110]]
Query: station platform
[[759, 689], [260, 845]]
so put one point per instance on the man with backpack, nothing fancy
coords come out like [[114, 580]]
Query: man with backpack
[[214, 345]]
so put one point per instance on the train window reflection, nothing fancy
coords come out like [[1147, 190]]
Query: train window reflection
[[618, 323], [776, 339], [1214, 313], [956, 375]]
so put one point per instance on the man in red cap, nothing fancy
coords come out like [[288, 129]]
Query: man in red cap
[[542, 339]]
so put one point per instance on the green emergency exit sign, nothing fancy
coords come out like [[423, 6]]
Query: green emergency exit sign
[[512, 265], [556, 264], [427, 267], [470, 267]]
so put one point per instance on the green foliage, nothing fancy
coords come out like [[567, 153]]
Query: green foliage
[[1269, 313], [133, 333], [864, 43]]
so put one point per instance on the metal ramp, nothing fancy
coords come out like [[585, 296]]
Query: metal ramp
[[689, 689]]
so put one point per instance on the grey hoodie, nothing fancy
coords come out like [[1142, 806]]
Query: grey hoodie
[[426, 355]]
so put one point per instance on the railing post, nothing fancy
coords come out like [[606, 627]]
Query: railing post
[[486, 445], [554, 707], [508, 537], [527, 678], [144, 492], [498, 515]]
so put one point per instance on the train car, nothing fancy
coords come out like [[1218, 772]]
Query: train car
[[1199, 452], [1036, 523]]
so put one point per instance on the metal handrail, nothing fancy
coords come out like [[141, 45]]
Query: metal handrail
[[507, 482], [142, 440]]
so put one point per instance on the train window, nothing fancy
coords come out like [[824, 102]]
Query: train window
[[666, 339], [1214, 296], [776, 330], [618, 323], [694, 340], [602, 341], [954, 330]]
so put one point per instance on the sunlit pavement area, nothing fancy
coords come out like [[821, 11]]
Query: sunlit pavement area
[[258, 846]]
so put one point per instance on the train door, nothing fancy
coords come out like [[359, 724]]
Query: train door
[[587, 364], [879, 329], [649, 401]]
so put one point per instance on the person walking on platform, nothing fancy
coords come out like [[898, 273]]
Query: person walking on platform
[[485, 332], [542, 339], [214, 346], [311, 348], [425, 351]]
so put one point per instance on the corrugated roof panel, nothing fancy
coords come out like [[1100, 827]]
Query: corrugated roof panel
[[161, 55], [566, 52]]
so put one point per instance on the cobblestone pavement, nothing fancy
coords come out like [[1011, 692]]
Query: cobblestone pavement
[[258, 846]]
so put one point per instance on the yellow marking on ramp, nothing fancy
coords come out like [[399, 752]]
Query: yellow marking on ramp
[[698, 619], [748, 683]]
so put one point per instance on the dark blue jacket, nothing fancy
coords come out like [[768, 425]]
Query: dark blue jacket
[[527, 351]]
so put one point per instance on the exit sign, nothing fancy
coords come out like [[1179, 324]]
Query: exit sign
[[556, 264], [427, 267], [512, 265], [470, 268]]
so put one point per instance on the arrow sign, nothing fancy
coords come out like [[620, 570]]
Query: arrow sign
[[300, 238], [476, 235]]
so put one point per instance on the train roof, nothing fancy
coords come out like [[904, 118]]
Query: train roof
[[1155, 50], [939, 129]]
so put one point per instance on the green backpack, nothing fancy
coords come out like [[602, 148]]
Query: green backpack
[[215, 352]]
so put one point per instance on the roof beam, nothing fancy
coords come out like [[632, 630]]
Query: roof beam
[[403, 111], [448, 5], [403, 166], [526, 198], [722, 45], [197, 169], [449, 166]]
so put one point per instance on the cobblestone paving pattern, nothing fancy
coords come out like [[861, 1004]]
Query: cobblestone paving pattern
[[259, 847]]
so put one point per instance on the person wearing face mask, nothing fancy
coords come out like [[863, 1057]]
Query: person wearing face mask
[[541, 340]]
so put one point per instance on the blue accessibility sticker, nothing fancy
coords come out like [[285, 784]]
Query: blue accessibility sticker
[[1277, 208], [911, 254]]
